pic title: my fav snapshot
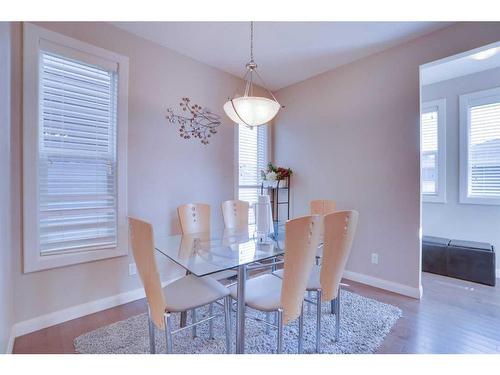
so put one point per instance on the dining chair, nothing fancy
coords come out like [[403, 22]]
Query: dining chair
[[187, 293], [195, 218], [322, 206], [340, 228], [235, 213], [285, 296]]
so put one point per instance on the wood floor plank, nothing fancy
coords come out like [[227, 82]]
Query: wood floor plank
[[453, 316]]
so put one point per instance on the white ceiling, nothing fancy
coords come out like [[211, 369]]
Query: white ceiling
[[286, 52], [459, 67]]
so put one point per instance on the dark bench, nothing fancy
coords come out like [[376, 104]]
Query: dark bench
[[467, 260]]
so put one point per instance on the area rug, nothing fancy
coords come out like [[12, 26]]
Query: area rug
[[364, 324]]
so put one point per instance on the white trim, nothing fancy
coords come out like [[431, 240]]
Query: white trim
[[440, 196], [384, 284], [33, 37], [467, 100], [10, 343], [74, 312], [498, 273]]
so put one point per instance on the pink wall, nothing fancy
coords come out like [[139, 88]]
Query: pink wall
[[352, 135], [163, 169], [6, 274]]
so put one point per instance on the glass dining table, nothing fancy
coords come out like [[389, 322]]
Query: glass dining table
[[207, 253]]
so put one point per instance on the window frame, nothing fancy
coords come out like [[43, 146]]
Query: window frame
[[427, 106], [466, 101], [34, 37]]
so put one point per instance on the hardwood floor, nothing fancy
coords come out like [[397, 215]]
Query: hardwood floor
[[454, 316]]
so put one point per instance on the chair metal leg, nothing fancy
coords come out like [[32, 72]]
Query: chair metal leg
[[183, 320], [268, 321], [227, 321], [318, 320], [152, 347], [211, 322], [168, 333], [337, 316], [193, 321], [279, 348], [308, 305], [300, 349], [332, 306]]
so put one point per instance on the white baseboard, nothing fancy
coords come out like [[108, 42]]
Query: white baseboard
[[10, 343], [384, 284], [498, 273], [61, 316]]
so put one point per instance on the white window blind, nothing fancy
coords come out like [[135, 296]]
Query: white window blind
[[77, 156], [429, 151], [483, 168], [253, 153]]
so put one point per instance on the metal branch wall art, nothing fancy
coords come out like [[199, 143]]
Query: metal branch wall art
[[197, 123]]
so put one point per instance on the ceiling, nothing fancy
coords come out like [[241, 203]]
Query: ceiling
[[286, 52], [459, 67]]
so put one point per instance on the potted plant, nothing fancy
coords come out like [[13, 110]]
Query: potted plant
[[274, 175]]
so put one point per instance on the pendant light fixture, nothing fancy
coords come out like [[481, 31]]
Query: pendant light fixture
[[248, 109]]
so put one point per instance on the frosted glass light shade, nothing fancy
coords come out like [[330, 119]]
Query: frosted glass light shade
[[251, 110]]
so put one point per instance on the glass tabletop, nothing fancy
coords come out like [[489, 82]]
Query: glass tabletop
[[206, 253]]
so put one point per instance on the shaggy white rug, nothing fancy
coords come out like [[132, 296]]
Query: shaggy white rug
[[364, 324]]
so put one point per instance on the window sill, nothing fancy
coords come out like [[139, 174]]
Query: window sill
[[480, 201], [433, 199], [41, 263]]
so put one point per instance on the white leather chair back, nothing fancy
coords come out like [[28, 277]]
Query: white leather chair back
[[301, 242], [141, 239], [340, 228], [194, 217], [235, 213]]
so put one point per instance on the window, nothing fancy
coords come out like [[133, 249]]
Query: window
[[433, 151], [480, 147], [253, 156], [74, 151]]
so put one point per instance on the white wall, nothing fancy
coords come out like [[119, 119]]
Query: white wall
[[352, 135], [6, 275], [452, 219], [164, 170]]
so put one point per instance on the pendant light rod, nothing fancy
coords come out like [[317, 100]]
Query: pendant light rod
[[251, 41]]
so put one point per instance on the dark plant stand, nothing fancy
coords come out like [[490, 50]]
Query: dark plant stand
[[274, 193]]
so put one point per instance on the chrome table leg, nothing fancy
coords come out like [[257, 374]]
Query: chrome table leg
[[279, 348], [152, 347], [301, 330], [318, 320], [240, 311], [227, 321], [168, 333], [211, 322], [268, 321], [337, 316], [193, 321]]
